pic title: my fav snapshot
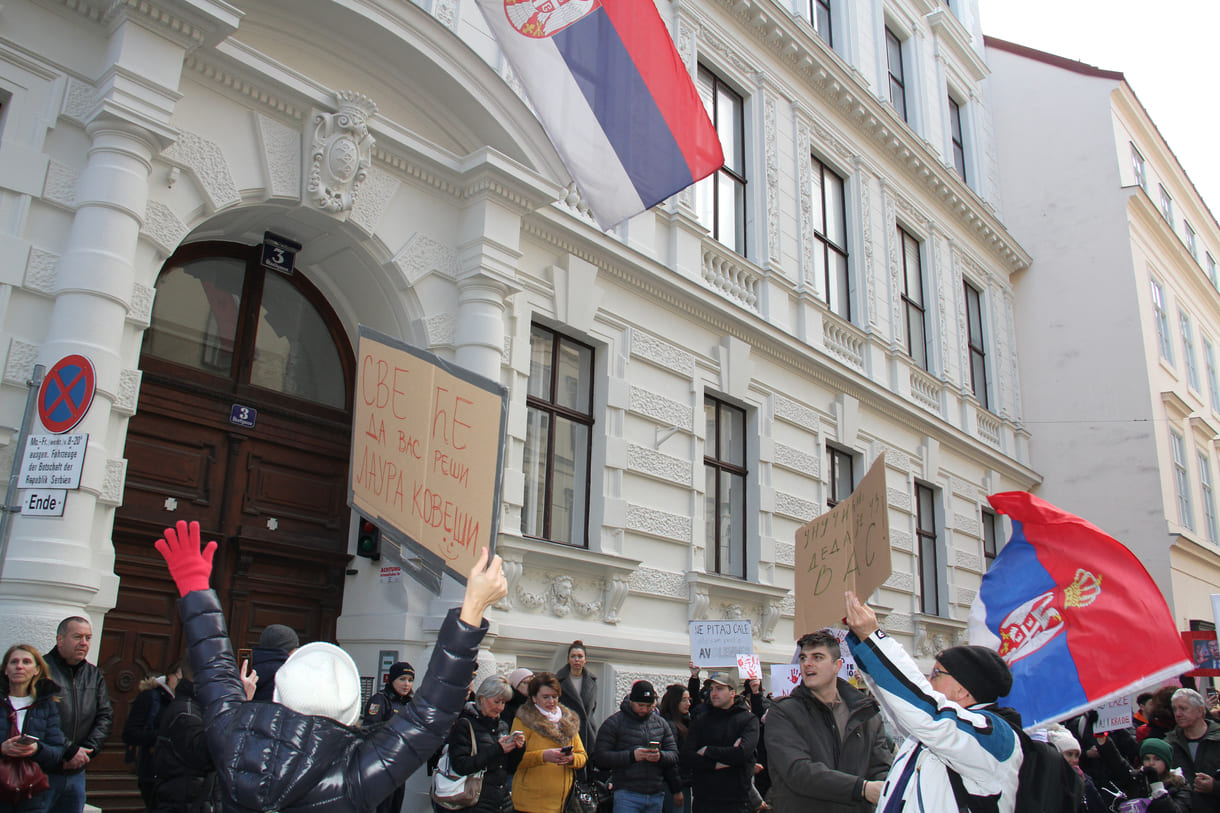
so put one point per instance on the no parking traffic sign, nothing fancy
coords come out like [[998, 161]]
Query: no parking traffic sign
[[66, 393]]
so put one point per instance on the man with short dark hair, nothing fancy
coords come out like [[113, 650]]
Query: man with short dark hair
[[959, 752], [719, 750], [275, 644], [85, 714], [826, 746], [639, 747]]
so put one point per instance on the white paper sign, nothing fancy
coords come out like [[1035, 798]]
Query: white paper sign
[[1114, 715], [848, 670], [784, 678], [717, 643], [749, 667]]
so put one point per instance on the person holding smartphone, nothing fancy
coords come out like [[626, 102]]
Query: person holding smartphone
[[27, 696], [552, 752], [638, 746]]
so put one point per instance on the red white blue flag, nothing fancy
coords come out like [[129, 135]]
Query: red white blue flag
[[613, 96], [1061, 604]]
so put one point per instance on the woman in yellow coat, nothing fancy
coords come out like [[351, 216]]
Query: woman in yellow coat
[[553, 751]]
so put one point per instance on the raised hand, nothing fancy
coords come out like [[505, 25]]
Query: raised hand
[[188, 565], [484, 587], [860, 617]]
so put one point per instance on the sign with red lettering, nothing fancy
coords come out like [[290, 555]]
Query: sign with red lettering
[[847, 548], [427, 453]]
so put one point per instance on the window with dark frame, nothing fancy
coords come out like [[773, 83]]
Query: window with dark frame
[[724, 465], [974, 338], [893, 57], [959, 144], [842, 475], [830, 237], [720, 198], [819, 15], [912, 299], [929, 561], [991, 536], [558, 439]]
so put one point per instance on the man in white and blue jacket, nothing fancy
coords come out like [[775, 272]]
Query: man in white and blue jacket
[[953, 734]]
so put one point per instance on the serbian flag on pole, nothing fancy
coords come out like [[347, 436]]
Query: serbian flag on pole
[[613, 96], [1061, 604]]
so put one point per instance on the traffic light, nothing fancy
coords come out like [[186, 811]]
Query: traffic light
[[368, 540]]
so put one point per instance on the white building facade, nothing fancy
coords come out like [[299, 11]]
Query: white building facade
[[684, 392], [1118, 317]]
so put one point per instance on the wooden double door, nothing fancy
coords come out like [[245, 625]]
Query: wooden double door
[[273, 495]]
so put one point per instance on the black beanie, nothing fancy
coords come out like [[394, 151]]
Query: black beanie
[[399, 669], [980, 670]]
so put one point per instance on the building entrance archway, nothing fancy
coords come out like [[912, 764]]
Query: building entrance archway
[[244, 425]]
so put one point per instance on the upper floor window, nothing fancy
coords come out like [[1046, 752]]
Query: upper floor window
[[1162, 322], [955, 135], [1192, 242], [720, 198], [1188, 350], [1141, 170], [1166, 205], [912, 298], [558, 438], [1211, 270], [819, 15], [1209, 498], [1213, 382], [1181, 480], [929, 556], [974, 338], [991, 536], [830, 238], [842, 475], [724, 466], [898, 87]]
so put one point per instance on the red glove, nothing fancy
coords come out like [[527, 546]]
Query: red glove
[[189, 567]]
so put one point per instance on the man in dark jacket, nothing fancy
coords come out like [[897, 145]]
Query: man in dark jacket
[[278, 756], [85, 714], [826, 745], [639, 747], [275, 644], [719, 750], [143, 721]]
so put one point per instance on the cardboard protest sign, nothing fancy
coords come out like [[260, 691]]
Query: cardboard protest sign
[[847, 548], [427, 453], [717, 643], [749, 667], [1114, 715], [784, 678]]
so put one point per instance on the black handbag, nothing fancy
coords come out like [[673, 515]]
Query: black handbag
[[588, 795]]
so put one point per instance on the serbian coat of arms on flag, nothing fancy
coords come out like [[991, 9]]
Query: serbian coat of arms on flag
[[613, 95], [1060, 604]]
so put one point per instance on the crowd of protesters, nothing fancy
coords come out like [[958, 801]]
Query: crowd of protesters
[[903, 741]]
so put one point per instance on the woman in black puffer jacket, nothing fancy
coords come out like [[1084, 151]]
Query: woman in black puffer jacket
[[186, 778], [496, 752], [27, 696]]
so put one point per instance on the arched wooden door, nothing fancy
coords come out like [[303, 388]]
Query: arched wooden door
[[243, 424]]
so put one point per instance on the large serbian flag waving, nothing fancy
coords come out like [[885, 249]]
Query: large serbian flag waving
[[1073, 613], [613, 96]]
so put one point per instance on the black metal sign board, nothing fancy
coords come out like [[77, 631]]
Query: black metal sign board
[[279, 253]]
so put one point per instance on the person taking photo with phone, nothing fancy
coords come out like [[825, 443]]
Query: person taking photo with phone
[[552, 752], [32, 731]]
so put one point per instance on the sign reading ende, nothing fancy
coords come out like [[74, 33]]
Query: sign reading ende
[[847, 548], [427, 452]]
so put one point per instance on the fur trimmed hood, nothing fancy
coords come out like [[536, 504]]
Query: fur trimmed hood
[[563, 732]]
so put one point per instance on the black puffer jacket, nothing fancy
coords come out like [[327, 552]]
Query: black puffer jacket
[[269, 757], [488, 757], [186, 778], [617, 739], [41, 721], [85, 714]]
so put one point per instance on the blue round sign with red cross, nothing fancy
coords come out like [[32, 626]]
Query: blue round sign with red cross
[[66, 393]]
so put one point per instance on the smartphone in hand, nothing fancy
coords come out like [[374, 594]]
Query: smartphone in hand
[[26, 739], [654, 746], [567, 749]]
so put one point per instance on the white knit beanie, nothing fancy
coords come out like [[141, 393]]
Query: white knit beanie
[[1063, 740], [320, 679]]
